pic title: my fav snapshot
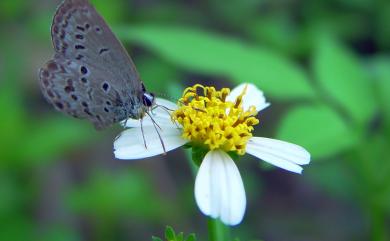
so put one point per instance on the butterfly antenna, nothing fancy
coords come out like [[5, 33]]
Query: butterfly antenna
[[143, 135], [155, 125], [163, 107]]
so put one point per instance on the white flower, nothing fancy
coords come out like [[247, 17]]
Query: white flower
[[219, 190]]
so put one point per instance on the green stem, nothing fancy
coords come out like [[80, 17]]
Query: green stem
[[217, 230], [378, 229]]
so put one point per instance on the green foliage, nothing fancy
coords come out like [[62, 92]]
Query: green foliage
[[42, 139], [161, 72], [238, 239], [383, 25], [113, 12], [12, 9], [333, 177], [170, 235], [55, 135], [319, 129], [275, 30], [108, 196], [381, 75], [58, 233], [204, 52], [344, 79], [334, 94], [374, 172]]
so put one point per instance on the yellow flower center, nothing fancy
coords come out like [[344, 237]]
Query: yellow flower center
[[208, 119]]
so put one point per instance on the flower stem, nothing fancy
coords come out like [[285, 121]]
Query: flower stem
[[217, 230], [378, 230]]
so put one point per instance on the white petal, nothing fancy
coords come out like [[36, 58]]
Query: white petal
[[253, 96], [130, 143], [219, 191], [279, 153], [160, 115]]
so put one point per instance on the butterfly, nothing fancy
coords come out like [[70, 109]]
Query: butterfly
[[91, 76]]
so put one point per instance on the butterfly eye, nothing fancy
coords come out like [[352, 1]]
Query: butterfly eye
[[148, 99]]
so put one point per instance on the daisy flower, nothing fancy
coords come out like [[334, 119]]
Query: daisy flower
[[220, 122]]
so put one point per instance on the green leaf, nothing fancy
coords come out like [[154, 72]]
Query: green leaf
[[10, 10], [180, 237], [156, 80], [17, 227], [12, 124], [130, 192], [113, 12], [381, 74], [191, 237], [334, 177], [208, 53], [274, 30], [317, 128], [170, 234], [54, 136], [57, 233], [344, 80], [369, 156]]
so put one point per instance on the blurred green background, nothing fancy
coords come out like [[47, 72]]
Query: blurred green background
[[323, 64]]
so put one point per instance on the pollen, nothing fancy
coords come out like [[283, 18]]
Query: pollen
[[209, 119]]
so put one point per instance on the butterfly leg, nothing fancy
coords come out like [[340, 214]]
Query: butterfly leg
[[155, 125], [143, 135]]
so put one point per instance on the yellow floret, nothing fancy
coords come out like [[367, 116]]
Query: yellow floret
[[208, 119]]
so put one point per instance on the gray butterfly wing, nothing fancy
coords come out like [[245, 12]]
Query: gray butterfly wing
[[91, 71], [65, 86]]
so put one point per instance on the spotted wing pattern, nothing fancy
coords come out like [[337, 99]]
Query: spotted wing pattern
[[91, 76]]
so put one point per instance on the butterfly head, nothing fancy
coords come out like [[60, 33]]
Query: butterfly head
[[148, 99]]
